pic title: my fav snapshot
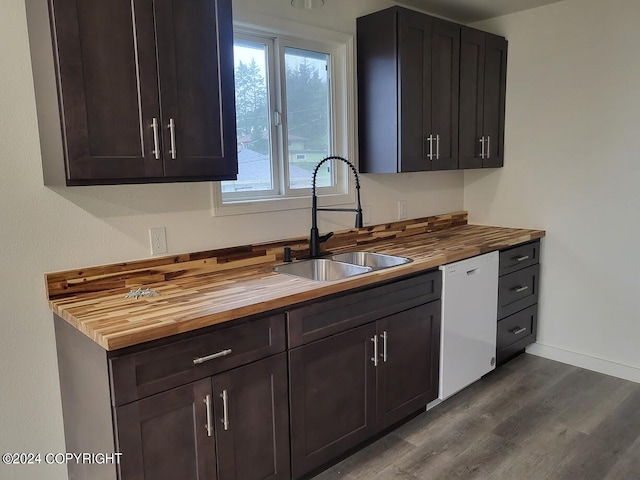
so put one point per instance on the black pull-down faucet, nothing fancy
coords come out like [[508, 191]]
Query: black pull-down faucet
[[314, 238]]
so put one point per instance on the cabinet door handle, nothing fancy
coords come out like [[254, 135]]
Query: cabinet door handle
[[437, 147], [374, 359], [431, 154], [172, 131], [156, 140], [208, 426], [522, 258], [488, 146], [428, 140], [223, 353], [384, 346], [518, 331], [225, 409], [482, 148], [520, 289]]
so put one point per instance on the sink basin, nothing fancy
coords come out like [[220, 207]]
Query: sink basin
[[375, 261], [322, 269]]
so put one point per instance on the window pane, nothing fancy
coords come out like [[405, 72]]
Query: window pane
[[255, 171], [308, 116]]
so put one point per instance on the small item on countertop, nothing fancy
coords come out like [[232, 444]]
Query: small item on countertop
[[287, 254], [139, 292]]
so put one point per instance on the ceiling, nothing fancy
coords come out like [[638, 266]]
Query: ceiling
[[468, 11]]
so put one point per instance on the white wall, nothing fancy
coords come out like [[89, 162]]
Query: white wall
[[43, 230], [572, 167]]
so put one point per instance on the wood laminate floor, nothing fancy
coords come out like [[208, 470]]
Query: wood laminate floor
[[530, 419]]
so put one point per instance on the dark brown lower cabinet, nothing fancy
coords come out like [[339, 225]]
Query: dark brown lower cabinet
[[164, 436], [349, 386], [408, 363], [231, 426], [333, 386], [518, 287], [252, 435], [232, 403]]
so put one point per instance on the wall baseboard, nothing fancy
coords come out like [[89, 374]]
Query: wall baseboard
[[626, 372]]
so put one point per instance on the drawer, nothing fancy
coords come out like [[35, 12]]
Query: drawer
[[511, 337], [328, 317], [517, 327], [518, 290], [151, 371], [519, 257]]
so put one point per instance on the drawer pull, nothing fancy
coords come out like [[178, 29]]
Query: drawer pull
[[522, 258], [225, 409], [520, 289], [223, 353], [208, 426], [374, 359], [518, 331]]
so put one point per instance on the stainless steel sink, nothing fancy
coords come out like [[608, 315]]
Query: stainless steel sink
[[322, 269], [375, 261]]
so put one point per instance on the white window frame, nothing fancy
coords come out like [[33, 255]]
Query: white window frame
[[273, 105], [340, 48]]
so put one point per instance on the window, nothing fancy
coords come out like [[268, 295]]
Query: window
[[291, 112]]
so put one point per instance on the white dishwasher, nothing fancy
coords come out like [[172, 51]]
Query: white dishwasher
[[469, 321]]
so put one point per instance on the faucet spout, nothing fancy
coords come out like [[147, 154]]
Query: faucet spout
[[314, 238]]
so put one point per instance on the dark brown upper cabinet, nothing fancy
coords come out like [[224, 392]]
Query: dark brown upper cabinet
[[483, 79], [145, 89], [408, 75]]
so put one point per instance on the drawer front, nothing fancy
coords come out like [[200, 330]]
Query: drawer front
[[518, 290], [519, 257], [511, 337], [328, 317], [151, 371], [517, 326]]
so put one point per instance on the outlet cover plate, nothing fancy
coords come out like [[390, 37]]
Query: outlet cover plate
[[158, 240], [402, 209]]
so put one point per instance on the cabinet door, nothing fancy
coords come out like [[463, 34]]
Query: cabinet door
[[252, 421], [165, 436], [472, 56], [107, 81], [378, 99], [414, 52], [495, 82], [445, 61], [408, 365], [195, 60], [332, 392]]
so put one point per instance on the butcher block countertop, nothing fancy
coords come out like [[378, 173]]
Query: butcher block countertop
[[207, 288]]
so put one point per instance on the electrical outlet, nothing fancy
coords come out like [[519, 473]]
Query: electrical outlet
[[366, 214], [158, 239], [402, 209]]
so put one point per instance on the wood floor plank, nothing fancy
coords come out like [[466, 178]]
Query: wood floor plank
[[531, 419], [628, 466], [538, 455], [368, 462]]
